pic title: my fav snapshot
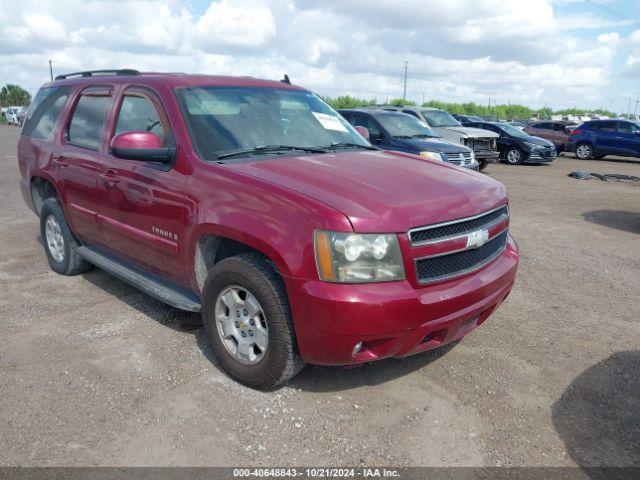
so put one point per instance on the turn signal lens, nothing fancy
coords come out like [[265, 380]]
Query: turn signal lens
[[323, 256]]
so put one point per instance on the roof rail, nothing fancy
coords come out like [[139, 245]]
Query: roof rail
[[92, 73]]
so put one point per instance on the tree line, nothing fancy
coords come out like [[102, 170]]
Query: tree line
[[502, 111]]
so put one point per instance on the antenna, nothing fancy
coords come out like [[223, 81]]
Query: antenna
[[286, 79], [50, 70]]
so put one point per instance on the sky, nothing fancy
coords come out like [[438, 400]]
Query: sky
[[558, 53]]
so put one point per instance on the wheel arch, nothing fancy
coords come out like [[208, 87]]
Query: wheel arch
[[213, 243], [42, 188]]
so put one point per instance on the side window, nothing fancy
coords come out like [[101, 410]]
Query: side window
[[138, 112], [607, 127], [544, 126], [87, 122], [366, 122], [559, 127], [410, 112], [628, 128], [44, 112]]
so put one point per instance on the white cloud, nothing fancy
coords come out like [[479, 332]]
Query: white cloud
[[457, 50]]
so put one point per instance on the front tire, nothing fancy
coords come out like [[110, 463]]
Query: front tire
[[482, 165], [584, 151], [247, 320], [514, 156], [59, 243]]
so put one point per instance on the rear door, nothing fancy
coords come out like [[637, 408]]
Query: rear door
[[141, 204], [78, 156], [607, 140], [629, 134]]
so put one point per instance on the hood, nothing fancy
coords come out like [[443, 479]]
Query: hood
[[537, 140], [432, 144], [382, 191], [471, 132]]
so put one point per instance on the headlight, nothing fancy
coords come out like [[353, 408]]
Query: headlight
[[533, 146], [432, 156], [358, 258]]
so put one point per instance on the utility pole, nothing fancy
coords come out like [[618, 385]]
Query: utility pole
[[404, 93], [50, 71], [423, 101], [635, 109], [629, 108]]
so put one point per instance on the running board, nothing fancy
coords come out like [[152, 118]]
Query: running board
[[151, 285]]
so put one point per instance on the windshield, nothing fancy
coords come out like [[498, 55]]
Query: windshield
[[513, 131], [403, 125], [440, 118], [223, 120]]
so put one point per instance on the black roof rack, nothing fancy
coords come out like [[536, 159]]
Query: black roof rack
[[90, 73]]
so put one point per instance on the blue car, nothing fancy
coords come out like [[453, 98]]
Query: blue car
[[391, 130], [597, 138]]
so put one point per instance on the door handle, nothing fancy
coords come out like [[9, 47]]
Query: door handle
[[110, 178], [60, 161]]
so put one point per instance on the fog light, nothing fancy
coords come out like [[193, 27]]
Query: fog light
[[357, 349]]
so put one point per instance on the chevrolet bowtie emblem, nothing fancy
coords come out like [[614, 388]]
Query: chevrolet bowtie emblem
[[477, 239]]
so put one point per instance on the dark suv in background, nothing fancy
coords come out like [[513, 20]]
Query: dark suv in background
[[404, 133], [597, 138]]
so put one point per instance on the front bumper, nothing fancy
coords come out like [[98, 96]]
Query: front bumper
[[487, 156], [394, 319], [541, 156]]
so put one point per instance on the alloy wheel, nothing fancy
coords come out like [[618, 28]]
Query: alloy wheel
[[583, 151], [241, 324], [55, 240], [514, 156]]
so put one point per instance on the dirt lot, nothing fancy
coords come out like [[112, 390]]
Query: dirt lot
[[92, 372]]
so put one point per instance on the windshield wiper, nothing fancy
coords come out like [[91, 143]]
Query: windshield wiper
[[272, 149], [347, 145], [423, 135]]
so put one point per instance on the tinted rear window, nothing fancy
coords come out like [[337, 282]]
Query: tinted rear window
[[85, 128], [44, 112]]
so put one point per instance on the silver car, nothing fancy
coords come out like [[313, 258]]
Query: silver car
[[483, 142]]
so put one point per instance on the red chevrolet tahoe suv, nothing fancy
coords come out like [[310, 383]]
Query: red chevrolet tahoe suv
[[256, 204]]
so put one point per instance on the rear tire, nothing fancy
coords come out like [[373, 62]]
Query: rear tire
[[482, 165], [59, 243], [584, 151], [236, 288]]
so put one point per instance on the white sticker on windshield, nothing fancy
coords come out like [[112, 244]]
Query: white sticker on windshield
[[329, 122]]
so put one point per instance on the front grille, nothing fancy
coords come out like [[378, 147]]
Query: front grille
[[452, 265], [460, 159], [458, 227], [479, 144]]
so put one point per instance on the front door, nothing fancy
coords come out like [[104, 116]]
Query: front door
[[141, 204], [629, 138]]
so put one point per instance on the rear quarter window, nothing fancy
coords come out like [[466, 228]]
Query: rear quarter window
[[44, 112]]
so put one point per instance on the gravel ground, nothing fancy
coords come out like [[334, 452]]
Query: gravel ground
[[93, 372]]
